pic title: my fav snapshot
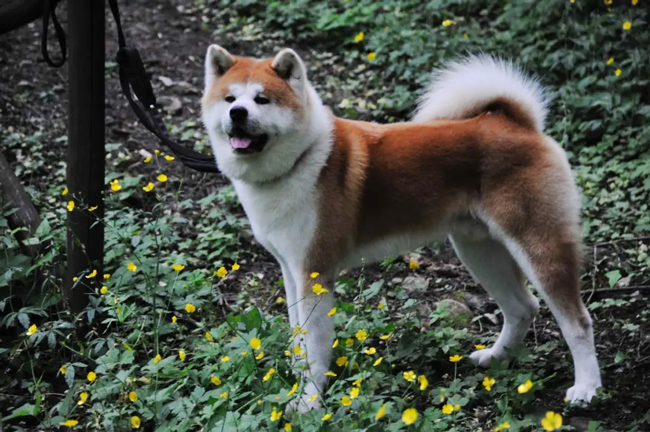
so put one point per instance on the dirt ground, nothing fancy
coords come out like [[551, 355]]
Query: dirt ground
[[33, 99]]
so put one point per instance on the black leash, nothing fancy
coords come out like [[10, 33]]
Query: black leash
[[49, 7], [134, 79]]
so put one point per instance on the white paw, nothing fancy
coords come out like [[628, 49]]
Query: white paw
[[484, 357], [306, 402], [581, 392]]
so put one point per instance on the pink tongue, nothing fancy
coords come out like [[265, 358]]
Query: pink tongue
[[240, 142]]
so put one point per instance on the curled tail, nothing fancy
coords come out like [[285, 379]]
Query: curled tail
[[477, 84]]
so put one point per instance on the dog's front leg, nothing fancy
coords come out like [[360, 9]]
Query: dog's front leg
[[291, 293], [315, 336]]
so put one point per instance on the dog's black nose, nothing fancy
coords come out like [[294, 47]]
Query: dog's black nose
[[238, 114]]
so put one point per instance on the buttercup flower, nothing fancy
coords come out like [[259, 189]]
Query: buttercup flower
[[480, 347], [381, 305], [133, 396], [65, 192], [32, 330], [455, 358], [331, 312], [169, 158], [488, 383], [215, 380], [361, 335], [618, 72], [280, 300], [378, 361], [372, 56], [410, 416], [381, 413], [63, 370], [225, 359], [148, 159], [342, 361], [552, 421], [70, 206], [447, 409], [354, 393], [413, 264], [335, 344], [326, 417], [178, 267], [409, 376], [346, 401], [103, 290], [190, 308], [268, 375], [424, 382], [293, 390], [349, 342], [93, 208], [70, 423], [288, 427], [91, 275], [208, 336], [235, 267], [448, 22], [297, 350], [370, 351], [330, 373], [132, 267], [107, 276], [357, 382], [502, 426], [610, 61], [181, 355], [260, 356], [223, 395], [255, 343], [627, 25], [313, 397], [525, 387], [92, 376], [276, 415], [174, 319], [358, 38], [157, 358], [83, 397], [318, 289], [314, 275], [116, 186], [135, 422], [148, 187], [222, 272], [162, 178], [386, 336]]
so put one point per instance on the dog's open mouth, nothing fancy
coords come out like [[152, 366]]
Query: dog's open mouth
[[245, 143]]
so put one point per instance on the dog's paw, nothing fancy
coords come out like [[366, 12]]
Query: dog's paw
[[581, 392], [484, 357]]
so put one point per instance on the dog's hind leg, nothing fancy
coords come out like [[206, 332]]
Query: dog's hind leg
[[491, 264]]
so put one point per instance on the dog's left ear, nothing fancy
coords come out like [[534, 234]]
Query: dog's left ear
[[289, 66]]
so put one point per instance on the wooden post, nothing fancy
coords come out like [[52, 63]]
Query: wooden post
[[85, 175]]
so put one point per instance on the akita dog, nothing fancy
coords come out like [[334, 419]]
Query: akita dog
[[324, 193]]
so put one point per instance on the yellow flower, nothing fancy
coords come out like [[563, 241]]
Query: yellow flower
[[223, 395], [276, 415], [378, 361], [609, 2], [386, 336], [466, 35], [190, 308], [157, 358], [287, 353], [148, 187], [243, 353], [65, 192], [331, 312], [225, 359], [354, 393], [260, 356], [488, 383], [92, 376], [93, 208], [318, 289], [370, 351], [208, 336], [349, 342], [447, 408], [480, 347], [287, 427], [357, 382], [424, 382], [156, 151], [413, 265], [148, 159], [457, 407], [63, 370], [181, 355], [410, 416], [235, 267], [32, 330], [70, 206], [103, 290], [280, 300], [552, 421], [610, 61], [133, 396], [330, 373], [297, 350], [346, 401], [70, 423], [169, 158], [314, 275], [326, 417], [313, 397], [116, 186], [448, 22], [525, 387], [75, 279], [215, 380], [335, 344], [627, 25], [268, 375], [222, 272], [455, 358], [358, 38], [174, 319], [83, 397], [92, 274], [255, 343], [162, 178], [107, 276], [381, 413], [372, 56], [342, 361], [502, 426], [618, 72], [178, 267], [132, 267], [361, 335], [293, 390], [409, 376], [635, 2], [381, 305]]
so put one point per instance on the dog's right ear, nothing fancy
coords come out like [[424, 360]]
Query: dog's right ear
[[217, 63]]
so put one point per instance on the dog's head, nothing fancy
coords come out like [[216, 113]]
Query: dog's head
[[257, 113]]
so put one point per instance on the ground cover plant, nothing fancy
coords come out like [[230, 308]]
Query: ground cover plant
[[186, 328]]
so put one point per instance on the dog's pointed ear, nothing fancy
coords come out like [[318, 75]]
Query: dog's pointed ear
[[289, 66], [217, 63]]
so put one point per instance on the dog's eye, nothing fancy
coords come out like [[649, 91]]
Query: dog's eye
[[261, 100], [230, 99]]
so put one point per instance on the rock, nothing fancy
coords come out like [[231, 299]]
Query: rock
[[454, 307], [473, 301], [492, 318], [166, 81], [415, 283], [172, 105], [397, 280]]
